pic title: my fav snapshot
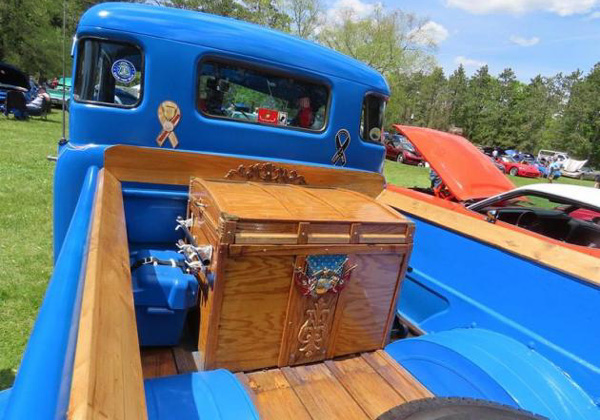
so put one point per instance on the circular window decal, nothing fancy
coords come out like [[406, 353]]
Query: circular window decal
[[375, 134], [123, 71]]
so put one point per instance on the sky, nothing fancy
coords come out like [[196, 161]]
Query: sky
[[530, 36]]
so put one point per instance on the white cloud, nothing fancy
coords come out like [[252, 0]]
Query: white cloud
[[430, 33], [592, 16], [524, 42], [469, 62], [356, 8], [560, 7]]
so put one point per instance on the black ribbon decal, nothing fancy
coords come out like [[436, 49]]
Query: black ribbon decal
[[342, 141]]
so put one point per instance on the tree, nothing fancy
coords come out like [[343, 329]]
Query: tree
[[263, 12], [384, 40], [306, 16]]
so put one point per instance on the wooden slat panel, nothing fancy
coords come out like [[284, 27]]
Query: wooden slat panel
[[184, 360], [399, 379], [130, 163], [107, 374], [157, 362], [369, 389], [322, 394], [367, 303], [558, 257], [310, 249], [274, 397], [252, 313]]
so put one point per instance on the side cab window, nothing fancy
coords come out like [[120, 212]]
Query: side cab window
[[109, 73], [371, 119]]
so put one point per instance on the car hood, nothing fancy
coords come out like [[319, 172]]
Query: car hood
[[12, 76], [468, 173]]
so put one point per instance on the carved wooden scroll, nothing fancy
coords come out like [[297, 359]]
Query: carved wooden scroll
[[266, 172]]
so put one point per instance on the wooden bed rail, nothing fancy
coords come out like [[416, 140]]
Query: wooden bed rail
[[107, 374], [560, 258]]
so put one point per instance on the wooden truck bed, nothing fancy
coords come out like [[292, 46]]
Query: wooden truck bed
[[356, 387]]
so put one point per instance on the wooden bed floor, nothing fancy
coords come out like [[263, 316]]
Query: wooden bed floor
[[359, 387]]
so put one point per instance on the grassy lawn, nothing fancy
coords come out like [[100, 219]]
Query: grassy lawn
[[25, 230], [26, 226]]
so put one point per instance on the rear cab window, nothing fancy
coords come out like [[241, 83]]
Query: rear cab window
[[371, 119], [241, 92], [109, 73]]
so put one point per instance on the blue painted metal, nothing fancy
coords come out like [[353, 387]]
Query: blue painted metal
[[4, 397], [479, 363], [197, 35], [212, 395], [41, 388], [539, 307], [162, 295]]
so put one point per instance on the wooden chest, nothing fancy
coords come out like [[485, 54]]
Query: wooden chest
[[299, 274]]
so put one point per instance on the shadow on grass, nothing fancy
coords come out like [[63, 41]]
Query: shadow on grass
[[7, 377]]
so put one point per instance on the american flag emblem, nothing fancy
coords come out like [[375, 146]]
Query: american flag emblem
[[323, 273]]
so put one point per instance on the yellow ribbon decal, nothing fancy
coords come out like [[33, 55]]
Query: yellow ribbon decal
[[169, 116]]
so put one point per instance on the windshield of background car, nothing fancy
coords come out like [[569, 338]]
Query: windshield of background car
[[371, 119], [108, 72], [244, 93]]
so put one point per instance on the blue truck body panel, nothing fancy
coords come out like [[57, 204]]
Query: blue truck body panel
[[456, 281]]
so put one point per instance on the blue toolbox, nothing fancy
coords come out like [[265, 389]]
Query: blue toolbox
[[163, 293]]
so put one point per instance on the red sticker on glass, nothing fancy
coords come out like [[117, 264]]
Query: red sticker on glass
[[269, 116]]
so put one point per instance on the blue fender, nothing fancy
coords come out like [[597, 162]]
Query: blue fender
[[210, 395], [479, 363]]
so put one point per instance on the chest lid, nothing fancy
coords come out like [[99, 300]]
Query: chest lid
[[329, 215]]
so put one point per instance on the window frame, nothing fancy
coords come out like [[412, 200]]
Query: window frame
[[385, 99], [114, 41], [265, 69]]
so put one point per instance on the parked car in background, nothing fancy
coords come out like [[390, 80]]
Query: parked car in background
[[568, 215], [551, 154], [14, 80], [398, 148], [498, 165], [516, 168], [589, 173], [56, 93]]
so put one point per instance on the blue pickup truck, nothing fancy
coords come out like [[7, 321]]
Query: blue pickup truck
[[209, 265]]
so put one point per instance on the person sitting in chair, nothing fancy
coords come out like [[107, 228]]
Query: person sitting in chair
[[35, 106]]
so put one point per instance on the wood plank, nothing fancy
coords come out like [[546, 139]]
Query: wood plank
[[398, 377], [184, 360], [107, 374], [252, 315], [274, 397], [322, 394], [131, 163], [367, 303], [300, 249], [369, 389], [157, 362], [558, 257]]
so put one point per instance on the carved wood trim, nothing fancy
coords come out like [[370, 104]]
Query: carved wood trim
[[266, 172]]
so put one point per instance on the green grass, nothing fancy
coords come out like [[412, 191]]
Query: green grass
[[26, 226], [25, 230]]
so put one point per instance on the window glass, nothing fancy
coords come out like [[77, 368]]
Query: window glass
[[246, 94], [108, 73], [371, 120]]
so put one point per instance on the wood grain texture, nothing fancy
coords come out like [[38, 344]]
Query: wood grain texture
[[130, 163], [367, 303], [560, 258], [157, 362], [252, 315], [274, 397], [107, 374], [367, 387], [399, 379], [322, 394]]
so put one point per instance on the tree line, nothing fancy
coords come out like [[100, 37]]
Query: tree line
[[561, 112]]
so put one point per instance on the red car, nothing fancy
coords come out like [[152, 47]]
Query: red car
[[398, 148], [515, 168]]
